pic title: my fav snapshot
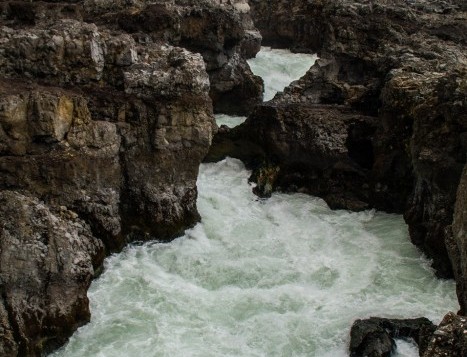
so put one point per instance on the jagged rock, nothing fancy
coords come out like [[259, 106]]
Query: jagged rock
[[312, 147], [134, 137], [298, 24], [374, 337], [102, 125], [47, 261], [401, 63], [221, 31], [234, 89], [449, 339], [293, 24]]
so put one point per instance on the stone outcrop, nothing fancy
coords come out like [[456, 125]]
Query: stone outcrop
[[375, 336], [379, 121], [116, 156], [105, 116], [298, 24], [222, 31]]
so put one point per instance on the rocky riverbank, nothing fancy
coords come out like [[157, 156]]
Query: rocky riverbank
[[106, 111], [379, 121]]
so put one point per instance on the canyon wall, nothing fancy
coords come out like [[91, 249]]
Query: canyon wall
[[379, 121], [106, 112]]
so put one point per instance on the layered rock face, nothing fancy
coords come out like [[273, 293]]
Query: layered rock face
[[221, 30], [379, 121], [103, 125], [114, 145]]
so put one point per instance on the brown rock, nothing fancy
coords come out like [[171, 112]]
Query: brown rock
[[449, 339]]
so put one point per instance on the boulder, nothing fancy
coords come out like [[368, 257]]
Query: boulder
[[374, 337]]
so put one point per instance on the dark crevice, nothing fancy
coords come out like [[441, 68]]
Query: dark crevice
[[360, 146]]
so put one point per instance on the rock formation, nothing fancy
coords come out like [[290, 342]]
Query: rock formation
[[222, 31], [105, 115], [449, 339], [47, 261], [379, 121], [375, 336]]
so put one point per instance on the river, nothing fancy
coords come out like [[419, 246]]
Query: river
[[285, 276]]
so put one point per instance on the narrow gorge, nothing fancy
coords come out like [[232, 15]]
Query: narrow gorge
[[106, 115]]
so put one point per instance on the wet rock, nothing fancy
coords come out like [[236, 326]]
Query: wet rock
[[375, 336], [47, 261], [449, 339], [385, 60], [313, 149]]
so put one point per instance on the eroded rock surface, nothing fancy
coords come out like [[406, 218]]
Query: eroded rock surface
[[47, 261], [449, 339], [105, 116], [222, 31], [399, 66], [457, 243], [116, 155]]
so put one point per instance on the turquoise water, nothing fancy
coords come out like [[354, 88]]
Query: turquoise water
[[279, 277]]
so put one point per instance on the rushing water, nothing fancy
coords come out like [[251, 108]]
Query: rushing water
[[279, 277], [278, 68]]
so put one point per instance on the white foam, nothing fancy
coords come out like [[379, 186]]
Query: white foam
[[229, 120], [281, 277], [279, 68], [406, 348]]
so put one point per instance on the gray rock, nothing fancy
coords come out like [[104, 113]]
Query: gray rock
[[103, 128], [47, 261], [402, 63]]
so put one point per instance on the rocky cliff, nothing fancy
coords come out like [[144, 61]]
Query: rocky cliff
[[105, 114], [379, 121]]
